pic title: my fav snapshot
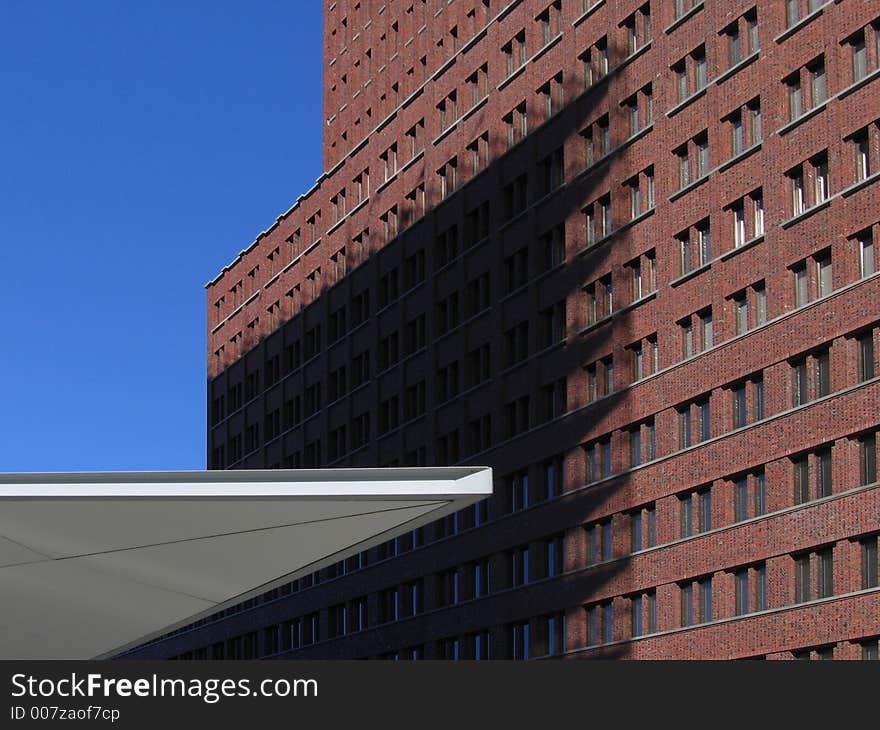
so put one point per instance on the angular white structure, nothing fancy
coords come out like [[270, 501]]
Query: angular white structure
[[94, 563]]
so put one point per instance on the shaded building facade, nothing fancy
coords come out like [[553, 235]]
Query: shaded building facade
[[623, 253]]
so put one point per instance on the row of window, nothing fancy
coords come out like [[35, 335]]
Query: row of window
[[813, 578], [811, 378], [641, 197], [812, 278]]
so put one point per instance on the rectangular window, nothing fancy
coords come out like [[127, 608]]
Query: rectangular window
[[824, 274], [869, 562], [802, 578], [867, 366], [868, 459], [867, 255]]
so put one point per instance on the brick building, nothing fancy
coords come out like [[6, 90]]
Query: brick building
[[620, 251]]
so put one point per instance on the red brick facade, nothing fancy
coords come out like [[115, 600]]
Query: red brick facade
[[632, 267]]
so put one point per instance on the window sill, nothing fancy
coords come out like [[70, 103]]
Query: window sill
[[846, 192], [807, 213], [598, 323], [587, 13], [601, 161], [739, 249], [598, 242], [687, 102], [545, 48], [683, 18], [461, 325], [691, 274], [387, 182], [690, 186], [786, 128], [859, 84], [806, 20], [511, 77], [644, 299], [418, 156], [543, 352], [714, 622], [741, 156], [475, 108], [736, 68]]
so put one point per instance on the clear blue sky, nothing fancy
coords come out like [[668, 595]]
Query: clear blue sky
[[142, 146]]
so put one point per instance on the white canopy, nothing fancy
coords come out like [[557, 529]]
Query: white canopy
[[93, 563]]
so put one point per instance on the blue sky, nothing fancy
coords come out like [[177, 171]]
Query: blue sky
[[142, 145]]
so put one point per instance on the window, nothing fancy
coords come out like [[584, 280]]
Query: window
[[599, 299], [600, 623], [389, 161], [414, 335], [820, 178], [867, 254], [549, 21], [641, 192], [867, 360], [696, 601], [518, 496], [515, 52], [478, 151], [552, 246], [858, 52], [516, 341], [695, 511], [599, 545], [643, 275], [750, 587], [869, 562], [519, 640], [868, 459], [477, 366], [860, 143], [600, 378], [638, 28], [598, 459], [812, 476], [551, 323], [594, 62], [795, 96], [447, 448], [552, 94], [796, 178], [553, 472], [697, 333], [551, 635], [552, 171], [514, 197], [748, 218], [517, 416], [643, 528], [447, 111], [553, 400], [645, 357], [749, 495], [478, 83], [516, 124], [792, 12], [518, 566], [643, 608], [448, 177], [597, 220], [679, 71], [818, 87], [683, 6]]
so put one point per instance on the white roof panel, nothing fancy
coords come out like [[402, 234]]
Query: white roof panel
[[93, 563]]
